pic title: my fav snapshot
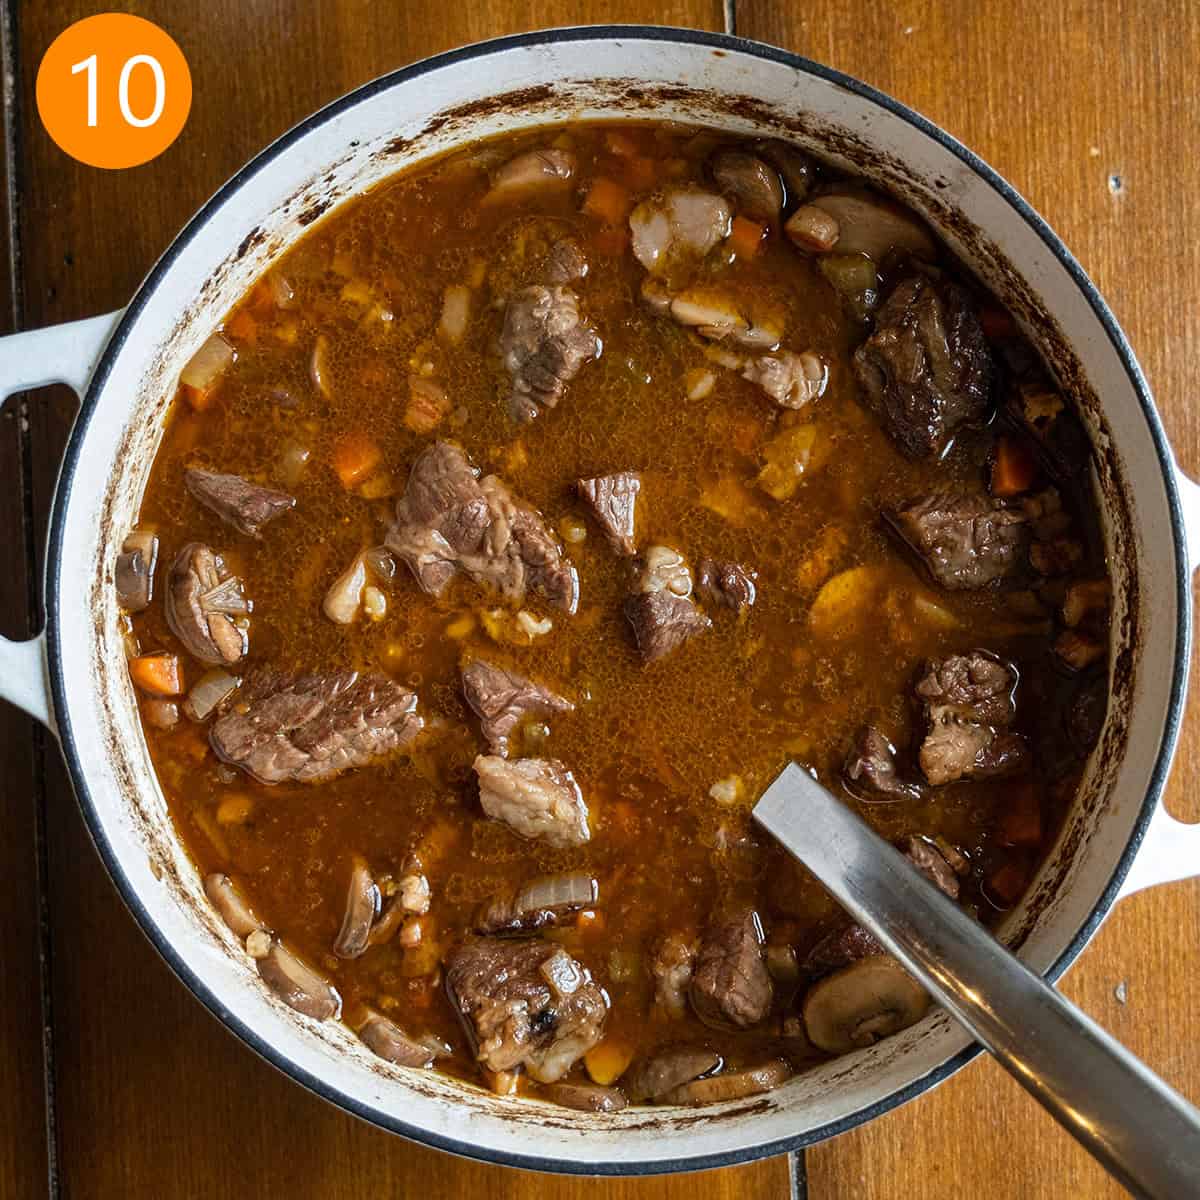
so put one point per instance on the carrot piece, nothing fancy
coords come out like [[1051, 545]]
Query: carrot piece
[[607, 201], [355, 457], [607, 1061], [157, 674], [620, 143], [746, 236], [997, 323], [610, 242], [1006, 883], [242, 327], [1021, 824], [1014, 468], [640, 173]]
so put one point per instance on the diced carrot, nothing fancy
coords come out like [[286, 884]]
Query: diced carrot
[[611, 242], [620, 143], [242, 327], [355, 457], [1014, 468], [640, 173], [1006, 883], [1021, 824], [607, 201], [157, 674], [746, 236], [997, 322], [607, 1061]]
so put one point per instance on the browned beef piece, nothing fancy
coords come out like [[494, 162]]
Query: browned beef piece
[[565, 263], [662, 621], [449, 520], [930, 861], [926, 370], [544, 344], [536, 797], [239, 503], [308, 728], [969, 707], [503, 699], [612, 500], [543, 901], [731, 984], [871, 770], [727, 583], [206, 606], [525, 1003], [966, 541]]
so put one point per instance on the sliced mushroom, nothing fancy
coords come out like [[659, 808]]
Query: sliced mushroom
[[862, 1003], [755, 186], [871, 225], [231, 905], [201, 595], [389, 1041], [362, 907], [297, 984], [652, 1078], [794, 166], [133, 574], [731, 1085], [586, 1097], [318, 365]]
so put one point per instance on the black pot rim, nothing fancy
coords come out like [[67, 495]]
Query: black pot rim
[[716, 41]]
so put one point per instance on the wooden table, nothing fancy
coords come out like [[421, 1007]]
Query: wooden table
[[114, 1082]]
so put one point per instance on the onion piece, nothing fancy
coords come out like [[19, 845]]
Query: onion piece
[[282, 291], [575, 889], [208, 364], [318, 366], [344, 599], [231, 905], [363, 902], [293, 460], [298, 985], [208, 691], [456, 314]]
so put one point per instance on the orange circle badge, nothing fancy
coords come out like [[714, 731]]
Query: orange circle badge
[[114, 90]]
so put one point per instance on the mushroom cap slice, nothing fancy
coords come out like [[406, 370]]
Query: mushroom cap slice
[[386, 1039], [363, 903], [233, 907], [755, 186], [298, 985], [862, 1003], [586, 1097], [731, 1085], [668, 1069]]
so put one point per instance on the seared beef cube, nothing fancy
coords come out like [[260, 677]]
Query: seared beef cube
[[662, 621], [544, 901], [612, 500], [449, 520], [565, 263], [930, 861], [871, 771], [503, 699], [245, 506], [727, 583], [544, 343], [926, 370], [969, 707], [672, 966], [305, 729], [536, 797], [841, 948], [731, 984], [966, 541], [526, 1004]]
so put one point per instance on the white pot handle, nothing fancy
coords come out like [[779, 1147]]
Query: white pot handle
[[60, 354], [1171, 848]]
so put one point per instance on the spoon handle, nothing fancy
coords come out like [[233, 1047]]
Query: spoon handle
[[1141, 1130]]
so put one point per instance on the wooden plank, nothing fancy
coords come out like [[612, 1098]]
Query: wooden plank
[[1089, 109], [155, 1099]]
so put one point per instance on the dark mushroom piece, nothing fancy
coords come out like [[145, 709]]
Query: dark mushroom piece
[[202, 599], [363, 902], [862, 1003], [297, 984], [755, 186], [795, 168], [133, 574], [386, 1039], [231, 905], [586, 1097], [731, 1085], [652, 1078]]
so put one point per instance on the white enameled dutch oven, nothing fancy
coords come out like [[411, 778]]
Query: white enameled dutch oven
[[125, 365]]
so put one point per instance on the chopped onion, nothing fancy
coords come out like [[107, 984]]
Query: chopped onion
[[575, 889], [207, 692], [344, 598], [562, 972], [456, 313], [208, 364], [282, 291], [293, 459], [380, 563], [318, 366]]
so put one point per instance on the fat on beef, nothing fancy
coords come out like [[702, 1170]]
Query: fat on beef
[[449, 520], [671, 967], [242, 505], [612, 501], [536, 797], [926, 370], [308, 728], [525, 1004], [731, 984], [661, 610], [727, 583], [503, 699]]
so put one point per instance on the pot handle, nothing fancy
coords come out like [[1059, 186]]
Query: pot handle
[[1171, 849], [58, 354]]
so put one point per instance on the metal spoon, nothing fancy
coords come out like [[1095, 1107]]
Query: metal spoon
[[1141, 1130]]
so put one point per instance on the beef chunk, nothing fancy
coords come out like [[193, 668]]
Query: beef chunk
[[926, 370], [969, 707], [536, 797], [871, 770], [241, 504], [503, 699], [727, 583], [930, 861], [565, 263], [966, 541], [731, 984], [661, 610], [612, 500], [308, 728], [204, 602], [672, 966], [449, 520], [677, 228], [543, 901], [525, 1003], [544, 343]]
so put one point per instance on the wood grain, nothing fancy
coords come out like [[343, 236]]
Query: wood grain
[[1090, 111]]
